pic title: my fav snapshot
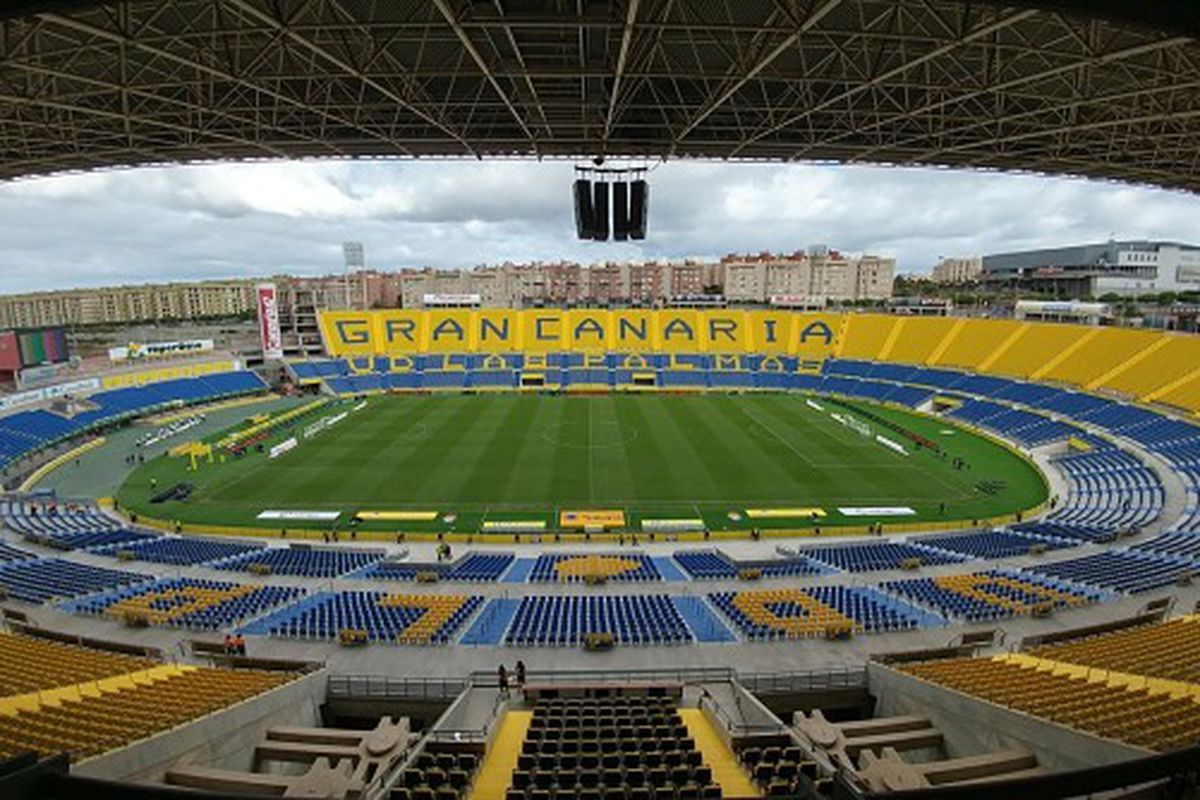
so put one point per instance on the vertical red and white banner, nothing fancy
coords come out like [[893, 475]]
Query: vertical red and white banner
[[268, 320]]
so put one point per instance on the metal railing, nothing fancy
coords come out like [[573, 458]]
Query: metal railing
[[385, 687]]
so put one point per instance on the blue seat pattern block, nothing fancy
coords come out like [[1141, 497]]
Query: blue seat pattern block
[[878, 555], [316, 562], [716, 565], [194, 603], [564, 620], [47, 517], [988, 596], [10, 553], [992, 544], [41, 579], [1179, 544], [181, 551], [471, 568], [1109, 489], [383, 617], [774, 614], [1130, 571], [619, 567], [66, 527]]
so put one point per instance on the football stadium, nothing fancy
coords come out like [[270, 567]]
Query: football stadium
[[600, 551]]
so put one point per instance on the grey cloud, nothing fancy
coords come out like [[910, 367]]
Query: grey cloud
[[245, 220]]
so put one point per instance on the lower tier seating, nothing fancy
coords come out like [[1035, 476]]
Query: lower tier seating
[[377, 616], [713, 564], [1121, 570], [195, 603], [621, 567], [993, 544], [813, 611], [1179, 544], [180, 551], [564, 621], [472, 568], [878, 555], [42, 579], [986, 596], [309, 562]]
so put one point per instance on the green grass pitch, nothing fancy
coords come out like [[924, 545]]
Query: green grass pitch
[[523, 456]]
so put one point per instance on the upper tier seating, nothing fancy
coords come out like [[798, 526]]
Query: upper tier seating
[[635, 747], [1135, 715], [29, 664], [87, 725], [992, 544], [1169, 650], [180, 551], [564, 621], [878, 555], [703, 564], [1130, 571], [195, 603], [309, 562], [398, 618], [986, 596], [622, 567], [42, 579], [27, 431]]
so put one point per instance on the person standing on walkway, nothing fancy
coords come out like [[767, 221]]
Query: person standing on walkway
[[521, 677], [502, 678]]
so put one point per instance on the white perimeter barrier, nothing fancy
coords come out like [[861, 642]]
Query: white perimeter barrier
[[282, 448]]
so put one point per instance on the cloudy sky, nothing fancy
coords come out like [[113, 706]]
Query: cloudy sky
[[248, 220]]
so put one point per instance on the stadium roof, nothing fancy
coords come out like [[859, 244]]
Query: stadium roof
[[1103, 88]]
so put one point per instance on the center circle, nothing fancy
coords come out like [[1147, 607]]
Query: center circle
[[589, 436]]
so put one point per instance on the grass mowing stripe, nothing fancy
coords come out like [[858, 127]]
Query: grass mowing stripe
[[527, 455], [645, 458]]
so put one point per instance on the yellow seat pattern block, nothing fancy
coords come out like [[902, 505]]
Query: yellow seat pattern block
[[1034, 347], [976, 343], [1162, 366], [1185, 396], [818, 619], [920, 338], [438, 609], [984, 588], [866, 334], [183, 601], [595, 566], [1103, 352]]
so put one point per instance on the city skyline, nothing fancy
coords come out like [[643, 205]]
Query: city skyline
[[234, 221]]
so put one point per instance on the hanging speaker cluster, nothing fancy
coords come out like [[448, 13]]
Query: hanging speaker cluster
[[608, 202]]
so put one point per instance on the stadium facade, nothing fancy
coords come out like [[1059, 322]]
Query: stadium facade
[[1129, 268]]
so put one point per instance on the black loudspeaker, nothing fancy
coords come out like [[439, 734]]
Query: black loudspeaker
[[585, 214], [639, 199], [620, 211], [600, 209]]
